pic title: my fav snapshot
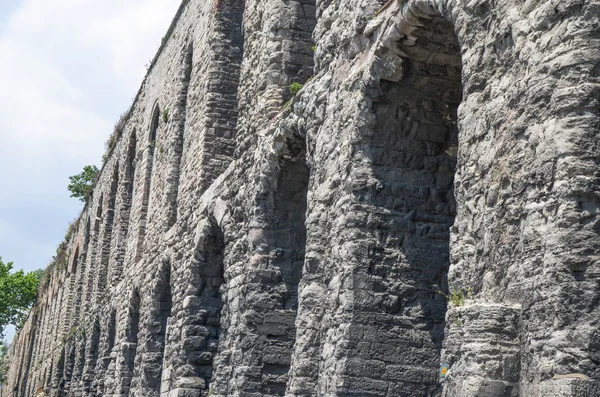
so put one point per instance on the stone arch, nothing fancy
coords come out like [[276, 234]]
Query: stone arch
[[80, 342], [44, 381], [277, 242], [146, 184], [164, 300], [111, 332], [74, 262], [70, 357], [91, 283], [79, 277], [133, 319], [108, 227], [208, 272], [286, 234], [99, 212], [125, 208], [409, 160], [59, 379], [154, 124], [156, 328], [93, 351], [178, 116], [130, 164], [130, 347], [105, 356], [86, 233]]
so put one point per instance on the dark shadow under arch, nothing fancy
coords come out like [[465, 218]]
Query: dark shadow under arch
[[282, 218], [179, 117], [412, 155], [92, 356], [106, 242], [156, 326], [147, 182], [59, 385], [125, 210], [130, 348], [209, 277]]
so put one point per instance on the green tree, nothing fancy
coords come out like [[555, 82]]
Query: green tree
[[82, 184], [17, 293]]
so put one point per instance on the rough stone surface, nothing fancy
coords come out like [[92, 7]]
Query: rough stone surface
[[430, 199]]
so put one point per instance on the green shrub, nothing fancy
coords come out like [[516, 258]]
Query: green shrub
[[295, 87], [456, 297]]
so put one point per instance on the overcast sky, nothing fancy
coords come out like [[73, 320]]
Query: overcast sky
[[68, 69]]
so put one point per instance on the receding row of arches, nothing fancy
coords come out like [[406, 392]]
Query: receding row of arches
[[199, 327], [149, 359], [410, 152], [98, 248], [145, 357], [139, 362]]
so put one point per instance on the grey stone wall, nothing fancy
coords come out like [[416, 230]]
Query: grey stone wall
[[427, 203]]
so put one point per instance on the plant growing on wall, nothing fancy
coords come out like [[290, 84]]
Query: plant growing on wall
[[456, 296], [110, 144], [295, 88], [82, 184]]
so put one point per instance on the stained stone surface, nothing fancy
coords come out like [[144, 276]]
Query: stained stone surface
[[429, 199]]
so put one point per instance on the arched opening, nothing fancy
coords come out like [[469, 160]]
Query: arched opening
[[283, 211], [60, 374], [44, 384], [125, 210], [158, 339], [99, 212], [179, 118], [131, 164], [409, 200], [91, 282], [130, 348], [208, 269], [147, 182], [70, 363], [105, 360], [108, 231], [80, 348], [111, 332], [79, 265], [74, 263], [92, 355], [73, 306], [154, 127]]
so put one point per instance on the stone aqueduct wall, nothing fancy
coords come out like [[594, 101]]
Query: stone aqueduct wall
[[237, 247]]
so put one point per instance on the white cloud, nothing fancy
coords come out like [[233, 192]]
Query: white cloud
[[69, 69]]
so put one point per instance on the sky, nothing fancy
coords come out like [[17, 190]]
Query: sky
[[68, 69]]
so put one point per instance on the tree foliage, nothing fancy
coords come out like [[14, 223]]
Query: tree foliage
[[82, 184], [17, 292]]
